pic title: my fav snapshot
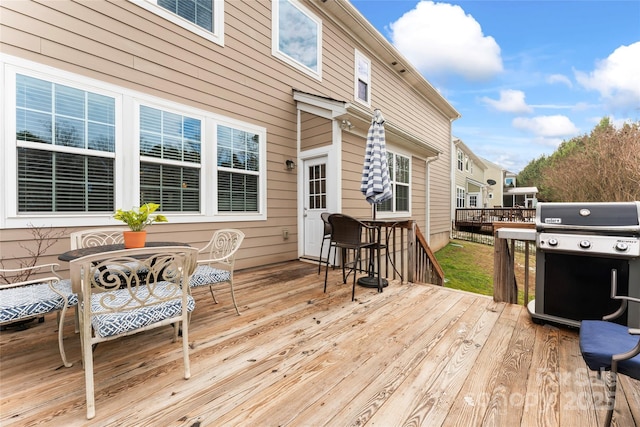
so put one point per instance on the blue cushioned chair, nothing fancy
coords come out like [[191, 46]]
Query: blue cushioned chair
[[607, 346], [116, 300], [218, 266], [26, 299]]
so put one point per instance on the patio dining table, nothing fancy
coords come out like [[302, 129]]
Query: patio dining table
[[91, 250]]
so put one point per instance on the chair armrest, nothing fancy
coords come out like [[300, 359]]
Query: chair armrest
[[614, 295], [52, 266], [50, 280]]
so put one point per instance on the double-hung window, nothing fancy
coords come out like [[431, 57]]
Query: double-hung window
[[460, 160], [362, 79], [78, 149], [170, 159], [238, 170], [460, 197], [399, 167], [297, 36], [65, 139], [203, 17]]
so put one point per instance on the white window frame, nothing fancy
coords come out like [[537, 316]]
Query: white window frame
[[475, 197], [127, 157], [394, 212], [217, 36], [275, 39], [358, 76], [460, 197], [466, 163], [460, 158]]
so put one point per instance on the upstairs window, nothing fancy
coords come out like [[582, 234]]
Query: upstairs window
[[362, 79], [203, 17], [199, 12], [460, 160], [297, 37]]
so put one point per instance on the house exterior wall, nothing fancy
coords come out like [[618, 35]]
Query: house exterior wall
[[124, 46], [495, 173]]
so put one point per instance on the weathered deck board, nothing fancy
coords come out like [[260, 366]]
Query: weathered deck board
[[413, 355]]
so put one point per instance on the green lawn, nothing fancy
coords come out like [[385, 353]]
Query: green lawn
[[468, 266]]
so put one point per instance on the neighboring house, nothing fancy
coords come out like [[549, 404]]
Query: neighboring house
[[469, 177], [480, 183], [244, 114], [494, 177]]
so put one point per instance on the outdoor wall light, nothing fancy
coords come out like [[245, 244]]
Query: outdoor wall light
[[345, 124], [290, 164]]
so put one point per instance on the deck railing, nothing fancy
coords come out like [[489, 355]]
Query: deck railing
[[407, 255], [482, 219], [505, 286]]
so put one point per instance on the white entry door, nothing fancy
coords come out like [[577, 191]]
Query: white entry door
[[315, 203]]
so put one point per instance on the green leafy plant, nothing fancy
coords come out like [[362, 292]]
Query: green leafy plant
[[138, 219]]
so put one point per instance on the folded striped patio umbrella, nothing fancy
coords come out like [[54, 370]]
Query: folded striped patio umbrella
[[375, 184]]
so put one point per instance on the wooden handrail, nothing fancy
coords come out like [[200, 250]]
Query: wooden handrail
[[407, 254], [427, 268]]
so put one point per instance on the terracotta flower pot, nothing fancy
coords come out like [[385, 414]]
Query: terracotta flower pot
[[134, 239]]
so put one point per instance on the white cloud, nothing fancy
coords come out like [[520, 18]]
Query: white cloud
[[617, 77], [439, 39], [546, 126], [559, 78], [511, 101]]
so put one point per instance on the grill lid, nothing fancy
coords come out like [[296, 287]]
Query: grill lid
[[589, 217]]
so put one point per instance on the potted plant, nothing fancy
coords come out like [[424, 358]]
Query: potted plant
[[137, 220]]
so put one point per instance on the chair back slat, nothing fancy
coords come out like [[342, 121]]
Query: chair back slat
[[345, 229], [96, 237], [223, 246], [327, 225]]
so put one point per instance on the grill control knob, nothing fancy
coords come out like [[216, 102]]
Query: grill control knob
[[553, 242], [622, 247], [585, 244]]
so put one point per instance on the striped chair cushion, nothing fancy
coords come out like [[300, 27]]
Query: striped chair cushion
[[109, 324], [33, 300], [206, 275]]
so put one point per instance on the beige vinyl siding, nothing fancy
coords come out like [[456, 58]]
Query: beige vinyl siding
[[315, 131], [353, 148], [419, 192], [122, 44]]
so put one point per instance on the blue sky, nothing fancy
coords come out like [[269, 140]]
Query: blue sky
[[524, 75]]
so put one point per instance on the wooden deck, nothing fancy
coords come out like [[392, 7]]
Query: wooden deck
[[413, 355]]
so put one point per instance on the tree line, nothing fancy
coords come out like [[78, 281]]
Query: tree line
[[603, 166]]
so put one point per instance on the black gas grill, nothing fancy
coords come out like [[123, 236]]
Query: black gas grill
[[577, 246]]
